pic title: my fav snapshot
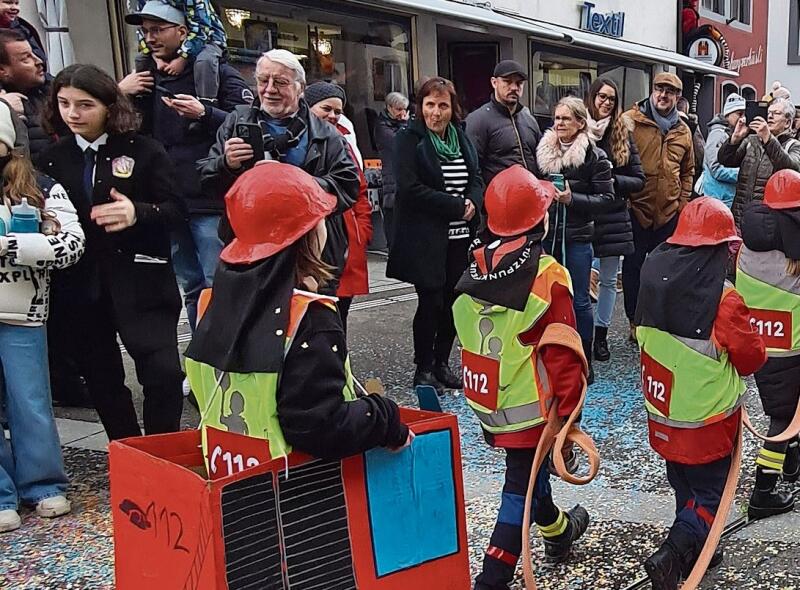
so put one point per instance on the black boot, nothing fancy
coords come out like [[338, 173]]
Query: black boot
[[556, 549], [791, 464], [444, 374], [765, 501], [424, 376], [601, 352], [664, 568], [587, 351], [716, 560]]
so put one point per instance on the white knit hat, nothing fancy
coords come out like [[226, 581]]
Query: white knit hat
[[733, 103], [8, 134]]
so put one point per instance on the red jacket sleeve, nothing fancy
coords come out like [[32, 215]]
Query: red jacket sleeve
[[363, 211], [564, 367], [733, 332]]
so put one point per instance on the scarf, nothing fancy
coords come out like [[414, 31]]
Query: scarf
[[448, 148], [502, 271], [244, 328], [681, 288], [664, 123], [597, 129]]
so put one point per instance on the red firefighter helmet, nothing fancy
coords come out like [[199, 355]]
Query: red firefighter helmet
[[516, 201], [705, 222], [270, 207], [783, 190]]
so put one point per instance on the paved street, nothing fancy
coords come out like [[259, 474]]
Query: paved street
[[629, 502]]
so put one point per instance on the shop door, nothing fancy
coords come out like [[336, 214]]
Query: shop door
[[471, 68]]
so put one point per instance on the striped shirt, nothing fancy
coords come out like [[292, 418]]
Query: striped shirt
[[456, 178]]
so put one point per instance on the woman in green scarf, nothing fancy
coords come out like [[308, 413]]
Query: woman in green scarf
[[437, 209]]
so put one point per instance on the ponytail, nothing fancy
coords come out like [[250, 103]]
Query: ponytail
[[792, 267]]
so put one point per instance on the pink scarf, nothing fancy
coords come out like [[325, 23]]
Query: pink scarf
[[597, 129]]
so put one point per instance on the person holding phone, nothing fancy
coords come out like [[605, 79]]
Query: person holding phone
[[759, 148], [568, 154], [439, 193], [123, 186]]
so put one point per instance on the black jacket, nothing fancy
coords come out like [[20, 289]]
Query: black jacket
[[588, 172], [502, 139], [38, 138], [613, 234], [327, 160], [385, 130], [186, 143], [132, 266], [423, 210], [312, 413], [757, 162]]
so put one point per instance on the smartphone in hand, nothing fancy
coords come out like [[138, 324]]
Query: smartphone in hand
[[755, 108], [252, 135], [164, 91], [558, 181]]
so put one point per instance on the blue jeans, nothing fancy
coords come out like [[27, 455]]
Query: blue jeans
[[579, 264], [195, 254], [31, 466], [607, 290]]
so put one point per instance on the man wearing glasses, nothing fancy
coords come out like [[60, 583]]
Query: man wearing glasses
[[667, 152], [174, 115], [503, 130], [292, 136]]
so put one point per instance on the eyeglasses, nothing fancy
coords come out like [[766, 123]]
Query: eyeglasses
[[668, 90], [155, 31], [606, 98], [276, 82]]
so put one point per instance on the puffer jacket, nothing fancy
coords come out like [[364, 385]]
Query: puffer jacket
[[385, 130], [503, 138], [613, 234], [668, 164], [757, 162], [779, 379], [718, 181], [588, 172]]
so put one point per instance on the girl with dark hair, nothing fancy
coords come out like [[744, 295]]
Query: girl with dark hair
[[439, 192], [123, 186], [611, 130]]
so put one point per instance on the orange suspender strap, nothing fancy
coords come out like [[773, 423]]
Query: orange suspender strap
[[555, 436]]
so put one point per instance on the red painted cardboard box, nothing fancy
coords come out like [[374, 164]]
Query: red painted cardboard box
[[376, 521]]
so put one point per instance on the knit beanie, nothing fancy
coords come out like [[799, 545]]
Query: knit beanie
[[8, 134], [779, 91], [733, 103], [319, 91]]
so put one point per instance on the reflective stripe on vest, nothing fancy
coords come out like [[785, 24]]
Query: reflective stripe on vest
[[773, 297], [501, 381], [687, 382], [246, 403]]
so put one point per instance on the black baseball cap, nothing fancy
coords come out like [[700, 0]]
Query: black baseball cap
[[509, 67]]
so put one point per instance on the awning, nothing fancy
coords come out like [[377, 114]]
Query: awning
[[475, 14], [636, 51]]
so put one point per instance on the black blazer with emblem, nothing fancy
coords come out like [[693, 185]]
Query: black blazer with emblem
[[132, 266]]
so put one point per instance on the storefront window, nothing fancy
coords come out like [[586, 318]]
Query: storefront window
[[367, 53], [556, 73]]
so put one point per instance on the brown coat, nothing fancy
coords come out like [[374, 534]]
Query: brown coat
[[668, 163]]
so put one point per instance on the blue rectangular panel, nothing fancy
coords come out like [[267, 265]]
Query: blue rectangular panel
[[412, 506]]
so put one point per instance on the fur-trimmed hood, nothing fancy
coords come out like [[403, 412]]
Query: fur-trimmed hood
[[550, 158]]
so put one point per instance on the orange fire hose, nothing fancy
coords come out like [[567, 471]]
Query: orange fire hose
[[554, 436]]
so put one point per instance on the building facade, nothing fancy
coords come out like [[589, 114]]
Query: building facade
[[783, 61]]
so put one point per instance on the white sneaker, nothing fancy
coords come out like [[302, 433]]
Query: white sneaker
[[187, 388], [9, 521], [52, 507]]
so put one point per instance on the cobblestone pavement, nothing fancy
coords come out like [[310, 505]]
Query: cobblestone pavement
[[629, 502]]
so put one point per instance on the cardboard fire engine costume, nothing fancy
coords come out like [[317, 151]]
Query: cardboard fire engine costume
[[696, 341]]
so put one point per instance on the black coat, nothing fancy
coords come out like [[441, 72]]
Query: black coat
[[588, 172], [423, 210], [327, 160], [131, 267], [38, 138], [385, 130], [613, 234], [185, 141]]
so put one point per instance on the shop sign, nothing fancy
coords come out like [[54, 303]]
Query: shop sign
[[706, 50], [753, 58], [611, 24]]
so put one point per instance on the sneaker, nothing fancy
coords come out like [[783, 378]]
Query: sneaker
[[53, 507], [187, 387], [9, 521]]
